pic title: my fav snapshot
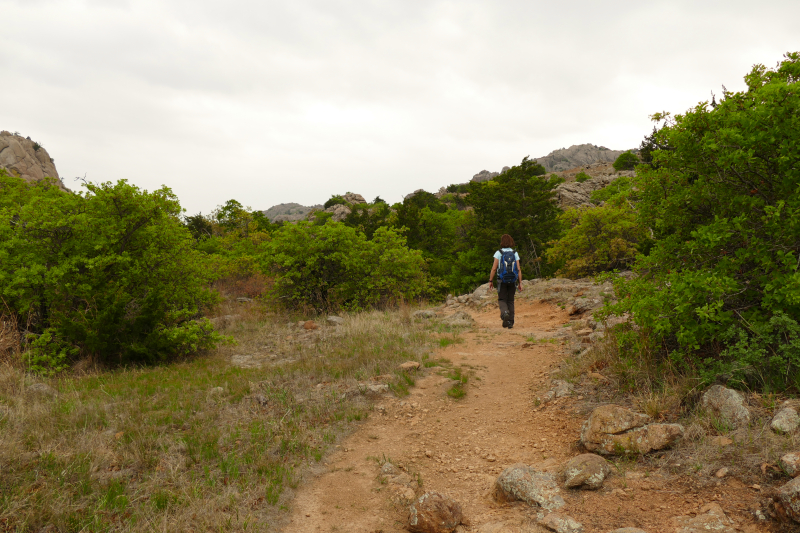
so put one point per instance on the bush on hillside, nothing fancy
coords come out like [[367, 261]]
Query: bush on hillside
[[335, 200], [580, 177], [111, 274], [626, 161], [598, 239], [720, 289], [334, 266]]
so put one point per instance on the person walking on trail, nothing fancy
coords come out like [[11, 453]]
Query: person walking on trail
[[506, 259]]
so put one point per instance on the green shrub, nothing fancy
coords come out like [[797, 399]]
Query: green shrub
[[626, 161], [335, 200], [110, 273], [598, 239], [580, 177], [724, 208], [622, 187], [334, 265]]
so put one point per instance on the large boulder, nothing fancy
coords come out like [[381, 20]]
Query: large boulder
[[791, 464], [787, 500], [434, 513], [726, 404], [585, 471], [710, 518], [785, 421], [612, 429], [26, 159], [339, 212], [521, 482]]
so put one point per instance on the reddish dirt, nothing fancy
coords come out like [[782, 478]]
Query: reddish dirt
[[458, 447]]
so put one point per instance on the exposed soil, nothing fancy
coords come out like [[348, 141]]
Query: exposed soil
[[458, 447]]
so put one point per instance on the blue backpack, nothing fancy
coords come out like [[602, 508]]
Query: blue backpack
[[507, 271]]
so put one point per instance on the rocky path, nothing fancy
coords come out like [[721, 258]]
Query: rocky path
[[459, 447]]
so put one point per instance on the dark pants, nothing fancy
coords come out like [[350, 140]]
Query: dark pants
[[505, 297]]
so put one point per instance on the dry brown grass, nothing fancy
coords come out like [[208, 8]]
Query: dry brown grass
[[195, 446]]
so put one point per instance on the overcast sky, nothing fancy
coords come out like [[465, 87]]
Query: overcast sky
[[270, 102]]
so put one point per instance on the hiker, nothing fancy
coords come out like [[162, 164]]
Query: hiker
[[509, 277]]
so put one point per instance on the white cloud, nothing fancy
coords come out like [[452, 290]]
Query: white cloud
[[271, 102]]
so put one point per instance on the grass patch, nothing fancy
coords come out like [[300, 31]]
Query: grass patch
[[458, 390], [198, 445]]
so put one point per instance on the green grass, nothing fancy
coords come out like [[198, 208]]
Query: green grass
[[127, 449]]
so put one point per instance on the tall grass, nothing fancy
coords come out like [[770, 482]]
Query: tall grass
[[198, 445]]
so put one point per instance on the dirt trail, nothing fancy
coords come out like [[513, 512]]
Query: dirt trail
[[459, 447]]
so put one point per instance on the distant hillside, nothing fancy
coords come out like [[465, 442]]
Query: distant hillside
[[289, 212], [27, 159]]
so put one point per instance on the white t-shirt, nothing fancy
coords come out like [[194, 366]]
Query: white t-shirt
[[498, 255]]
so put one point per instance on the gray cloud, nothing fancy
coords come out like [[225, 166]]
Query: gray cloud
[[271, 102]]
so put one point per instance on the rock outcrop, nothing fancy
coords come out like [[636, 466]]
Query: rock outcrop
[[289, 212], [710, 518], [577, 155], [727, 404], [561, 523], [434, 513], [521, 482], [612, 429], [26, 159]]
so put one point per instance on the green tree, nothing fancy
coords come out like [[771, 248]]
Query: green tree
[[520, 202], [111, 274], [723, 204], [626, 161], [333, 265]]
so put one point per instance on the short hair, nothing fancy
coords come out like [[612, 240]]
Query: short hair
[[506, 241]]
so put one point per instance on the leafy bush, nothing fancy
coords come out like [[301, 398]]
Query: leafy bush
[[598, 239], [622, 187], [580, 177], [333, 265], [335, 200], [723, 205], [626, 161], [110, 274]]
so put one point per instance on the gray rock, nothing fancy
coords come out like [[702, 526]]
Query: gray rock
[[460, 319], [388, 469], [727, 404], [785, 421], [524, 483], [787, 500], [484, 175], [339, 212], [353, 198], [791, 464], [434, 513], [26, 159], [243, 300], [290, 212], [611, 429], [378, 388], [43, 390], [560, 389], [586, 471], [561, 523], [335, 320], [424, 313], [710, 518], [577, 155]]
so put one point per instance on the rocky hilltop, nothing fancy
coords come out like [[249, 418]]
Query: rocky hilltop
[[289, 212], [27, 159], [577, 155]]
